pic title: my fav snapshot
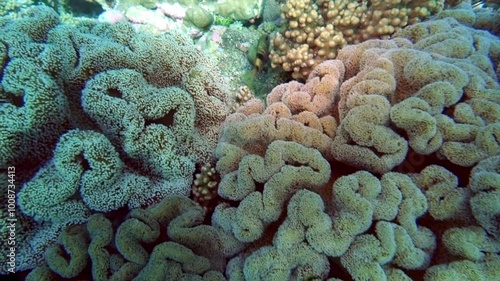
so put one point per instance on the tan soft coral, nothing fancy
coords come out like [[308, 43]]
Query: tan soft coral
[[432, 87], [316, 95], [469, 120], [295, 112], [316, 30], [285, 167], [446, 200]]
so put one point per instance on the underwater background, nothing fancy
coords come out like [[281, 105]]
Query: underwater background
[[250, 140]]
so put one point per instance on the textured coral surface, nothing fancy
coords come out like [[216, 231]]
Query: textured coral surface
[[383, 164]]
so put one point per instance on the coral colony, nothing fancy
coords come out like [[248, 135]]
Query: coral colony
[[250, 140]]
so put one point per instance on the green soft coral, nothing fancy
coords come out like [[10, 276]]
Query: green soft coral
[[135, 250]]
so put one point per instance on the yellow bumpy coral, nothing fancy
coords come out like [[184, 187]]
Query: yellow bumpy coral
[[316, 30]]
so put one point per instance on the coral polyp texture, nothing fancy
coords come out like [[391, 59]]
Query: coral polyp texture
[[118, 252], [316, 29], [111, 118], [383, 164], [432, 89]]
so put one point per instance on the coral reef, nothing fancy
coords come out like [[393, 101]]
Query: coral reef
[[433, 84], [183, 248], [316, 30], [295, 112], [382, 165], [378, 228], [120, 118], [244, 94], [432, 92], [205, 187]]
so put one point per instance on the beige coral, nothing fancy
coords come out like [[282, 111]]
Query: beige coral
[[439, 89], [204, 188], [316, 30], [243, 95], [295, 112], [286, 167]]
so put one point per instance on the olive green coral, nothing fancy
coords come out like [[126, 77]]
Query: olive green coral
[[134, 250], [85, 163], [466, 270], [485, 185], [199, 17], [73, 242], [147, 123]]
